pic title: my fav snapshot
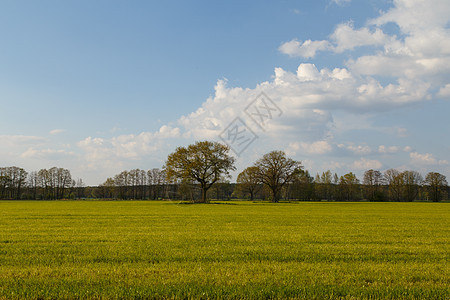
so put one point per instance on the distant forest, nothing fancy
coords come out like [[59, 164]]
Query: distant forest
[[57, 183]]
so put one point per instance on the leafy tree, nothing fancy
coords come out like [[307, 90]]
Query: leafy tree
[[204, 162], [324, 185], [349, 186], [12, 182], [437, 185], [276, 170], [303, 186], [107, 188], [395, 182], [248, 181]]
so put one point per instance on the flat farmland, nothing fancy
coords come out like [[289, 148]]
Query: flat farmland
[[237, 250]]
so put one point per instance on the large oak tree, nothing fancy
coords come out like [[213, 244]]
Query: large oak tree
[[276, 170], [204, 162]]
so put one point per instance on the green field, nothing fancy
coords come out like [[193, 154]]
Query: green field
[[131, 249]]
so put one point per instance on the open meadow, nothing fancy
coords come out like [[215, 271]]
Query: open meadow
[[141, 249]]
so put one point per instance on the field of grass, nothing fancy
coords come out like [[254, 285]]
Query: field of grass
[[131, 249]]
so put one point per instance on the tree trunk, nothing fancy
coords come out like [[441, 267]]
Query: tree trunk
[[276, 195], [204, 193]]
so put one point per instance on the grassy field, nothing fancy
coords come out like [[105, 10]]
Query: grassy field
[[94, 249]]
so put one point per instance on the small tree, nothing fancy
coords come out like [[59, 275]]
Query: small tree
[[276, 170], [436, 184], [203, 162], [248, 181]]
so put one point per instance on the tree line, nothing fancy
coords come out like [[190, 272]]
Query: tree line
[[201, 172], [54, 183]]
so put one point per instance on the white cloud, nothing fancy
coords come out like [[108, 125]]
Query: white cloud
[[307, 49], [98, 151], [360, 150], [418, 58], [47, 154], [426, 159], [345, 37], [316, 102], [341, 2], [388, 149], [445, 91], [315, 148], [416, 15], [56, 131], [423, 159], [366, 164]]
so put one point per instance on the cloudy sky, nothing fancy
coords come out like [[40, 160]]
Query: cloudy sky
[[102, 86]]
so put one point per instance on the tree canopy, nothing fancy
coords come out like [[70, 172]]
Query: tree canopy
[[204, 162], [276, 170]]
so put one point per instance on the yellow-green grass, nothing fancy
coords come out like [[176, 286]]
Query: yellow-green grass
[[132, 249]]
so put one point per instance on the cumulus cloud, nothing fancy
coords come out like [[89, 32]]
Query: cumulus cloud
[[125, 147], [306, 49], [314, 100], [419, 56], [426, 159], [345, 37]]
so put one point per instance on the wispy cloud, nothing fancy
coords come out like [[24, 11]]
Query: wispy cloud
[[56, 131]]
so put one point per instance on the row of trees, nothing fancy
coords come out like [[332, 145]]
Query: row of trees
[[202, 171], [276, 176], [135, 184], [376, 186], [54, 183]]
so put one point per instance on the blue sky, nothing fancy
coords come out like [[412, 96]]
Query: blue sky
[[102, 86]]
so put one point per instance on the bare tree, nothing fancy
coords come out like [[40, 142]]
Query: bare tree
[[395, 182], [373, 183], [412, 181]]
